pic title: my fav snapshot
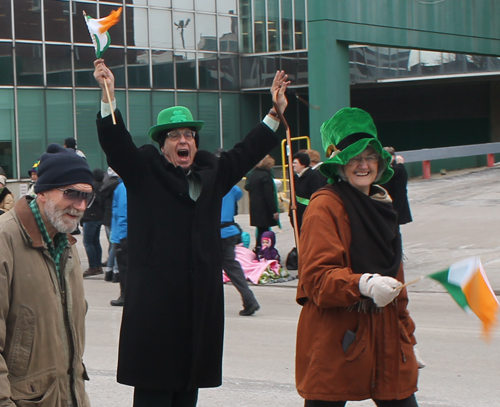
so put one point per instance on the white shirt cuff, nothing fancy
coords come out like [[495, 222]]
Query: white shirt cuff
[[272, 124], [106, 110]]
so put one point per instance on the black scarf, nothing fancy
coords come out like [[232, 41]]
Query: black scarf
[[376, 241]]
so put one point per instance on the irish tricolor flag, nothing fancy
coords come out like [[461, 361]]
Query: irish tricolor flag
[[98, 29], [467, 283]]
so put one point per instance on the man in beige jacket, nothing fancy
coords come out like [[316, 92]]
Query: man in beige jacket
[[42, 304]]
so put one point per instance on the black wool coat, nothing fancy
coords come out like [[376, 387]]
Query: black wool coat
[[397, 189], [173, 319], [305, 185], [263, 205]]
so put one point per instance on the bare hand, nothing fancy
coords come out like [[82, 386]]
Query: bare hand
[[278, 89], [276, 216], [103, 74]]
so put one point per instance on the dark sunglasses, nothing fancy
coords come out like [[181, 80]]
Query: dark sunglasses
[[75, 195]]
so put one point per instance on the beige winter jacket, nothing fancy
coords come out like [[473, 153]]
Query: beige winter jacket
[[42, 330]]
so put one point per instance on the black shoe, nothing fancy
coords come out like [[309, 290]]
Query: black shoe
[[118, 303], [108, 275], [116, 277], [246, 312], [104, 264]]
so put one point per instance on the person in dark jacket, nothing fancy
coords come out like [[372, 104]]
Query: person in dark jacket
[[92, 222], [172, 327], [263, 203], [397, 188]]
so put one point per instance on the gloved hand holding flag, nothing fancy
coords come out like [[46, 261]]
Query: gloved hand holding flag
[[98, 29]]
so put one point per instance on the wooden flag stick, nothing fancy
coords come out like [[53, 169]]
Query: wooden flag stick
[[109, 101], [411, 282]]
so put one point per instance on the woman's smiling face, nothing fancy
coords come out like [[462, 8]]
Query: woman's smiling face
[[361, 171]]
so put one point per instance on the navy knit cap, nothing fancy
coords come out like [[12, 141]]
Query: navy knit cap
[[60, 167]]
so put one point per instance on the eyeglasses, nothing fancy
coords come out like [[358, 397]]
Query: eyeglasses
[[370, 159], [176, 134], [75, 195]]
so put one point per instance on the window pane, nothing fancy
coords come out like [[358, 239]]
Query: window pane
[[206, 32], [273, 25], [250, 72], [7, 133], [286, 25], [161, 100], [6, 67], [161, 28], [5, 20], [226, 6], [27, 19], [59, 116], [29, 64], [246, 25], [300, 24], [205, 5], [140, 117], [302, 73], [56, 14], [183, 4], [185, 68], [32, 126], [208, 111], [84, 66], [228, 34], [138, 68], [163, 70], [137, 27], [230, 119], [229, 72], [58, 65], [208, 71], [160, 3], [259, 25], [116, 32], [183, 31], [80, 30], [190, 100]]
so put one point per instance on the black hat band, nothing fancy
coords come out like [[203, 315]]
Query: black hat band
[[351, 139]]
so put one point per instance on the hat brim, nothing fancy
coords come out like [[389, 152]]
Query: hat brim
[[155, 131], [329, 167]]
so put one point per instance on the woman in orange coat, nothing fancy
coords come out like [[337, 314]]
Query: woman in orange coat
[[355, 336]]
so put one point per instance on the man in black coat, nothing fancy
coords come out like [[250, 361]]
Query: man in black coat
[[173, 318]]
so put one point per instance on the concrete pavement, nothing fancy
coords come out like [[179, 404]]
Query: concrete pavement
[[455, 216]]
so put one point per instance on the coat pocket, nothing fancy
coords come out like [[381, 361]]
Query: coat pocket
[[357, 346], [38, 390], [22, 342]]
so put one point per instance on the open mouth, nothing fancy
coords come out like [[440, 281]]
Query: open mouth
[[361, 174], [183, 154]]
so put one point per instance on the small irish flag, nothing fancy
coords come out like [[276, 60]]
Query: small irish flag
[[467, 283], [98, 29]]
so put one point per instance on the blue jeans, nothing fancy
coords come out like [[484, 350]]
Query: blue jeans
[[92, 243]]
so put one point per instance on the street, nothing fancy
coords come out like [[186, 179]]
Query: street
[[455, 216]]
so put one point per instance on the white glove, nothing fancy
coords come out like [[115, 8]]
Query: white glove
[[382, 289], [420, 362]]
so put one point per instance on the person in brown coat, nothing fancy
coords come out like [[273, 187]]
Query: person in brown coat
[[355, 336]]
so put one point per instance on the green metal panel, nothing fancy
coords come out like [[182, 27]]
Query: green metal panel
[[461, 26]]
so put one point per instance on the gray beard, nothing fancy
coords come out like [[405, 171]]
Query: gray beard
[[59, 221]]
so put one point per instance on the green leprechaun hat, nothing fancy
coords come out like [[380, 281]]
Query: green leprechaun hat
[[174, 118]]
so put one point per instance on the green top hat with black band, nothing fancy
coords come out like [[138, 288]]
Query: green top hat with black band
[[173, 118], [347, 134]]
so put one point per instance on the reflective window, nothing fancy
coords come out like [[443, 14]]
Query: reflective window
[[57, 16], [208, 71], [6, 66], [206, 32], [29, 64], [183, 4], [184, 31], [138, 68], [161, 28], [58, 65], [84, 66], [80, 30], [28, 20], [246, 25], [302, 69], [59, 116], [137, 27], [230, 119], [185, 69], [273, 25], [140, 117], [205, 5], [160, 101], [260, 26], [286, 25], [300, 24], [229, 72], [228, 34], [32, 126], [226, 6], [208, 111], [5, 20], [190, 100], [163, 69], [140, 2], [115, 32], [160, 3], [250, 72], [7, 133]]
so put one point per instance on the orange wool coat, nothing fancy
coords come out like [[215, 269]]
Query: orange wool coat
[[380, 363]]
